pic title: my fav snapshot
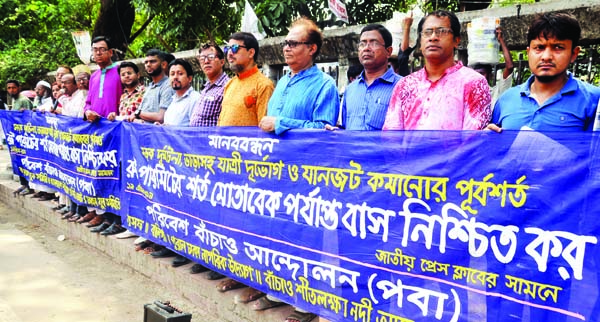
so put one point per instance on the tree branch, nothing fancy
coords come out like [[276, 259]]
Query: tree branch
[[139, 31]]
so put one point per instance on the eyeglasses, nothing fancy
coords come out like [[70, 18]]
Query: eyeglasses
[[372, 44], [440, 32], [234, 48], [292, 43], [210, 57], [100, 50]]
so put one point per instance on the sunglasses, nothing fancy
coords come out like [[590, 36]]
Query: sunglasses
[[234, 48]]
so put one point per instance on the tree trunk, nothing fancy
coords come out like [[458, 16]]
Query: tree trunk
[[115, 21]]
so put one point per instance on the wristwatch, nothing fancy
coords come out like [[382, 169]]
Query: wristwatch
[[137, 113]]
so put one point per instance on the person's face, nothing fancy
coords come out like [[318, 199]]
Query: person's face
[[69, 85], [179, 78], [102, 54], [242, 59], [12, 89], [438, 48], [56, 93], [129, 78], [83, 81], [211, 64], [550, 58], [372, 53], [60, 72], [40, 90], [154, 66], [298, 55]]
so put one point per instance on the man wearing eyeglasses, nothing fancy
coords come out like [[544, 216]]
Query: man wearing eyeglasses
[[245, 96], [105, 83], [306, 97], [207, 110], [366, 100], [444, 95], [159, 92]]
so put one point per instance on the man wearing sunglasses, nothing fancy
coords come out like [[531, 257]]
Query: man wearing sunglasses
[[444, 95], [245, 97], [207, 110], [306, 97]]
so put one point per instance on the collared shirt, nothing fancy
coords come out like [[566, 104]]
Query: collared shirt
[[459, 100], [364, 106], [181, 108], [245, 99], [206, 112], [573, 108], [130, 101], [309, 99], [158, 95], [73, 105], [105, 91]]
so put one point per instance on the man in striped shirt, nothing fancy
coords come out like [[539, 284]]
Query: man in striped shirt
[[366, 99]]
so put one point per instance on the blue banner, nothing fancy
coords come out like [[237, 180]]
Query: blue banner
[[378, 226], [77, 158]]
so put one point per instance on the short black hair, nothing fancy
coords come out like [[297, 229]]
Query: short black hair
[[454, 22], [103, 38], [249, 41], [562, 26], [158, 53], [126, 64], [184, 63], [383, 31], [13, 81], [220, 52], [354, 71]]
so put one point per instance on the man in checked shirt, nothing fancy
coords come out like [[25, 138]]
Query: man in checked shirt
[[207, 110]]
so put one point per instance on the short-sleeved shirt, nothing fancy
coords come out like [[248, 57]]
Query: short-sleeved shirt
[[158, 96], [245, 99], [309, 99], [459, 100], [364, 106], [105, 91], [208, 109], [573, 108], [130, 101], [181, 108]]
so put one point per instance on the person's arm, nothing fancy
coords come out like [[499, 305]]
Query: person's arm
[[327, 107], [508, 69], [406, 24], [478, 113]]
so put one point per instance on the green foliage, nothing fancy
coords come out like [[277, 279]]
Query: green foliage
[[277, 15], [35, 36]]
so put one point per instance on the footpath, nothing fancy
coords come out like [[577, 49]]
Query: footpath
[[129, 278]]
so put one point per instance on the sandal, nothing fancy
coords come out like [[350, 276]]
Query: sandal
[[300, 317], [264, 303], [248, 295], [229, 284], [151, 249], [143, 245], [212, 275]]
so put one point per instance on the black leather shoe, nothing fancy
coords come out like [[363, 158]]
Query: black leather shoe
[[179, 261], [100, 228], [197, 268], [113, 230], [165, 252], [212, 276]]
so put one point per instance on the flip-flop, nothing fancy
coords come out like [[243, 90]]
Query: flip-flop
[[300, 317], [229, 284], [264, 303], [248, 295]]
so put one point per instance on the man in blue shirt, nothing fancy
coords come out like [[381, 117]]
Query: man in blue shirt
[[551, 99], [306, 97], [366, 100]]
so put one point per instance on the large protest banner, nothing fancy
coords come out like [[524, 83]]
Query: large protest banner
[[392, 226], [366, 226], [66, 154]]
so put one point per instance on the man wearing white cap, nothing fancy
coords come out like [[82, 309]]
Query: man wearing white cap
[[43, 100]]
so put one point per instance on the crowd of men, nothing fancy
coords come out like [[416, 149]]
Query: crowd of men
[[444, 95]]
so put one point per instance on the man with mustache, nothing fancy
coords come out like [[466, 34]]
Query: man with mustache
[[185, 98], [444, 95], [551, 99]]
